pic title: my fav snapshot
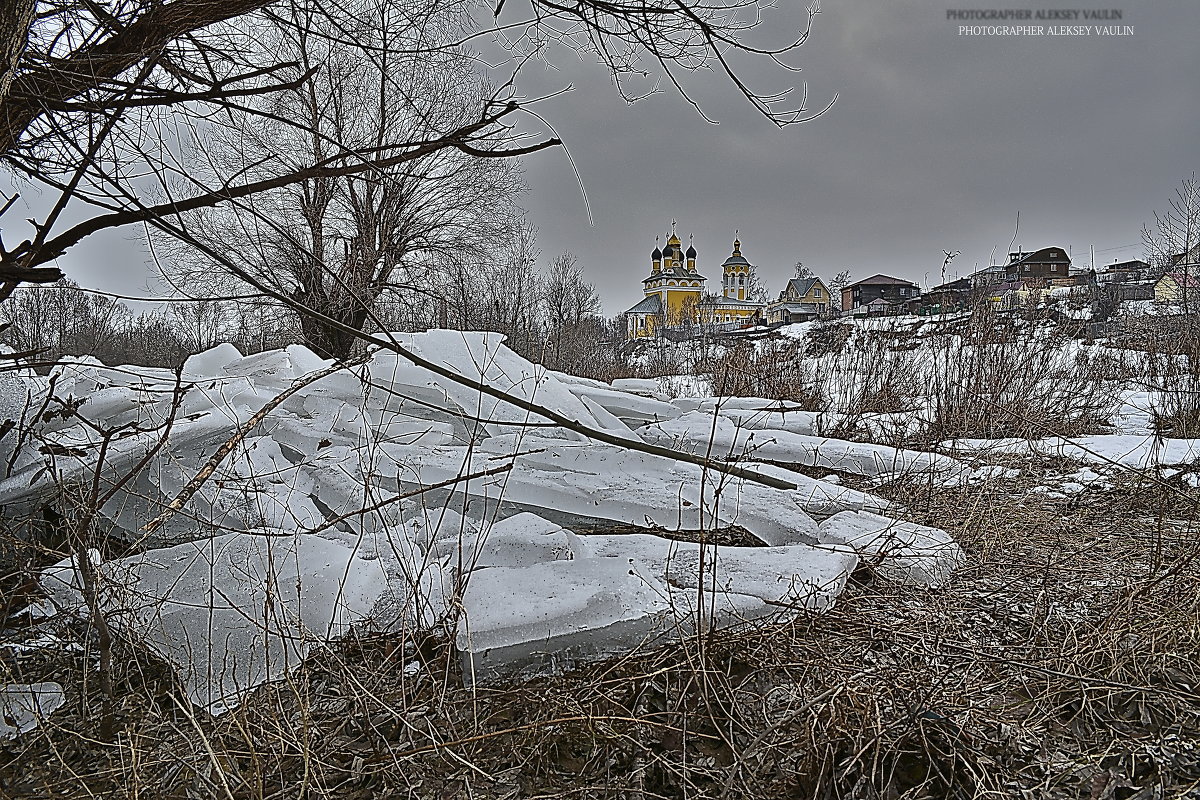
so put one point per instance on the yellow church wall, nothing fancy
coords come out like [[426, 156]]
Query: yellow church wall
[[681, 305]]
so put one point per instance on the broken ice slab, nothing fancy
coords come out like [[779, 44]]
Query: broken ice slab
[[24, 706], [900, 551], [15, 396], [700, 432], [632, 590], [779, 417], [232, 612], [521, 540], [546, 617], [729, 404], [210, 363], [790, 577], [821, 498], [482, 358], [569, 481], [633, 409], [646, 387]]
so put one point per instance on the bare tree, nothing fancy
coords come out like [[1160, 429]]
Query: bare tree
[[336, 243], [568, 301], [756, 290], [60, 319], [1176, 231], [93, 97], [839, 282], [1173, 244], [202, 324]]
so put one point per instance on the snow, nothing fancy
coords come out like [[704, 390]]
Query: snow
[[24, 706]]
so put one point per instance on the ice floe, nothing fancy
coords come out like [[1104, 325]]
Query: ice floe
[[388, 494]]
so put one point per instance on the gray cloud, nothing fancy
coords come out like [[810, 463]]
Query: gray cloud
[[937, 141]]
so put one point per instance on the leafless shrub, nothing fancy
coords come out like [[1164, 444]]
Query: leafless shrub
[[994, 381], [868, 374], [827, 338], [772, 368], [1172, 373]]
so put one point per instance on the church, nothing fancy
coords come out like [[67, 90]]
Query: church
[[674, 292]]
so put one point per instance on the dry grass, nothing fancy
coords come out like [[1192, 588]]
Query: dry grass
[[1061, 662]]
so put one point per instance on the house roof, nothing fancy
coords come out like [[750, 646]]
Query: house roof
[[1191, 256], [1047, 255], [886, 280], [648, 305], [1182, 279], [795, 308], [1123, 266], [960, 285], [801, 285]]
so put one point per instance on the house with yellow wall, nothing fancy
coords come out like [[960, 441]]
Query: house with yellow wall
[[802, 300], [1177, 288]]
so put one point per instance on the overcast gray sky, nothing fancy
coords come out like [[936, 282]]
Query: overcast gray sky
[[936, 142]]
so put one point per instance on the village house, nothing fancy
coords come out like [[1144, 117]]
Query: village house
[[945, 299], [1026, 275], [1187, 261], [802, 300], [878, 294], [1131, 271], [1178, 288], [1049, 262]]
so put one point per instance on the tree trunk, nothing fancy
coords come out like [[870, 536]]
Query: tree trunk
[[15, 18]]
